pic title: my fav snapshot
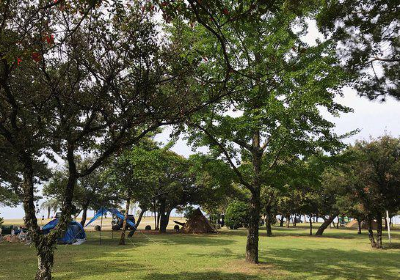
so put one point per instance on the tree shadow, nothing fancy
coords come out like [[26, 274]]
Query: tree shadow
[[335, 264], [143, 239], [212, 275]]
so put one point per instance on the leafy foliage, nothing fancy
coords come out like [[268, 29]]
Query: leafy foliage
[[237, 214]]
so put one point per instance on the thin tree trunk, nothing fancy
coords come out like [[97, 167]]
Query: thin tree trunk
[[122, 239], [84, 215], [359, 225], [287, 220], [158, 220], [281, 221], [371, 233], [386, 224], [294, 220], [379, 231], [140, 217], [310, 224], [325, 224], [268, 218], [48, 212]]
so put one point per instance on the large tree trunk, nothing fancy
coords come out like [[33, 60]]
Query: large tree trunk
[[164, 216], [45, 253], [252, 234], [325, 224], [164, 220], [371, 233], [122, 239], [379, 231]]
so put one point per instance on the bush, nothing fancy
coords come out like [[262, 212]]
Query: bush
[[237, 215]]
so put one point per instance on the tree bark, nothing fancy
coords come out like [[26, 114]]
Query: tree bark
[[359, 225], [294, 220], [325, 224], [310, 224], [252, 234], [122, 239], [45, 253], [371, 233], [379, 231]]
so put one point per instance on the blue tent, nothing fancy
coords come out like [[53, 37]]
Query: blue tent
[[115, 212], [74, 231]]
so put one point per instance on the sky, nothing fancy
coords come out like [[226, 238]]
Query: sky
[[372, 118]]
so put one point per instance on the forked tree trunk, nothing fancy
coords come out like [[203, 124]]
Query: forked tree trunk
[[371, 233], [252, 234], [324, 225], [124, 224], [379, 231]]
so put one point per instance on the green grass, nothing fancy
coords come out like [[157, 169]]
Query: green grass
[[290, 254]]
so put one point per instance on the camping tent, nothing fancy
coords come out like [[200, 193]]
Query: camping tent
[[197, 223], [74, 233], [115, 212]]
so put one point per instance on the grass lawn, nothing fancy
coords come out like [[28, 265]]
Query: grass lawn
[[290, 254]]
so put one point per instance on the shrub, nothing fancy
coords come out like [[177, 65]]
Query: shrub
[[237, 215]]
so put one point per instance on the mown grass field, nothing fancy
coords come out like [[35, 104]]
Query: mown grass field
[[290, 254]]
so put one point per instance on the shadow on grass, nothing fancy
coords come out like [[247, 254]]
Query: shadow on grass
[[336, 263], [211, 275], [143, 239]]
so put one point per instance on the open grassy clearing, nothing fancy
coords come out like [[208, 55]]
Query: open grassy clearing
[[290, 254]]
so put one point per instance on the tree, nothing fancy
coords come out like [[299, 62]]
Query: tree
[[374, 180], [95, 87], [51, 204], [278, 107], [237, 215], [368, 33]]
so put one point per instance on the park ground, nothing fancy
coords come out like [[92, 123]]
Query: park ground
[[290, 254]]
